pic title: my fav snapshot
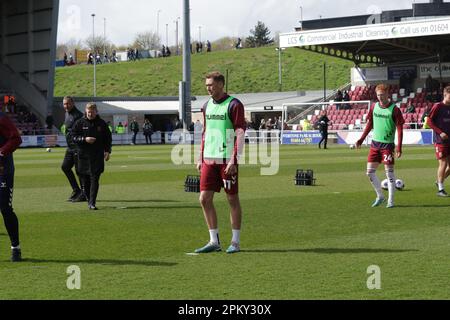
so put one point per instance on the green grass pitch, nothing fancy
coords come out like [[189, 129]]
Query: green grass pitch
[[298, 242]]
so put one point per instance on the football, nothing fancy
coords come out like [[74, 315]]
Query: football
[[48, 150], [384, 184], [352, 146], [399, 184]]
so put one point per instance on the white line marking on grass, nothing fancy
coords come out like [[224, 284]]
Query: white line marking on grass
[[124, 166], [191, 254], [336, 192], [140, 158], [122, 208]]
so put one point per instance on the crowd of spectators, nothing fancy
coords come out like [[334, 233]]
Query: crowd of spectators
[[106, 58], [68, 61], [25, 120], [199, 47], [133, 54]]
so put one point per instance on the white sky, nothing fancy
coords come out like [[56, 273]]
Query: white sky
[[215, 18]]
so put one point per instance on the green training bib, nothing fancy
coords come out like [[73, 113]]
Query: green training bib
[[219, 131], [383, 124]]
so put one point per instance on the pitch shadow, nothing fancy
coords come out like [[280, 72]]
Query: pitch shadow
[[151, 207], [105, 262], [331, 250], [424, 206], [152, 200]]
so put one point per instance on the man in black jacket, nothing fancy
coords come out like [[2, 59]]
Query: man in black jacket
[[94, 139], [323, 128], [71, 156], [134, 127]]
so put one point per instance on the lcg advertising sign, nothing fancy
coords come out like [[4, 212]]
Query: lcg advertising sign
[[366, 33]]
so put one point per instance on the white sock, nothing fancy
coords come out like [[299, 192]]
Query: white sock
[[391, 183], [376, 184], [236, 236], [440, 186], [214, 236]]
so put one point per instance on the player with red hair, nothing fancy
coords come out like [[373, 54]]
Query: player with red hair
[[384, 118]]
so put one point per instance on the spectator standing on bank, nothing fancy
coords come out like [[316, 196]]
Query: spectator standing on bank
[[134, 127], [148, 130]]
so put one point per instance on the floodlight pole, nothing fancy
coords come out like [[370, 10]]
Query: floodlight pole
[[94, 54], [280, 76], [104, 36], [301, 17], [176, 35], [186, 96], [167, 34], [157, 23]]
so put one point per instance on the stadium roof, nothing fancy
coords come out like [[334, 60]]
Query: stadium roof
[[413, 41]]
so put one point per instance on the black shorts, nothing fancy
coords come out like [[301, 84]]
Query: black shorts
[[6, 190]]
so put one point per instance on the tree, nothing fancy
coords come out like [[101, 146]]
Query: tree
[[260, 36], [68, 47], [99, 44], [147, 40]]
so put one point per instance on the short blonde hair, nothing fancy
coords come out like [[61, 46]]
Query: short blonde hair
[[216, 76], [91, 105]]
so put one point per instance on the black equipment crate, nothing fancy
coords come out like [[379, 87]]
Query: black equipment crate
[[192, 184], [305, 178]]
